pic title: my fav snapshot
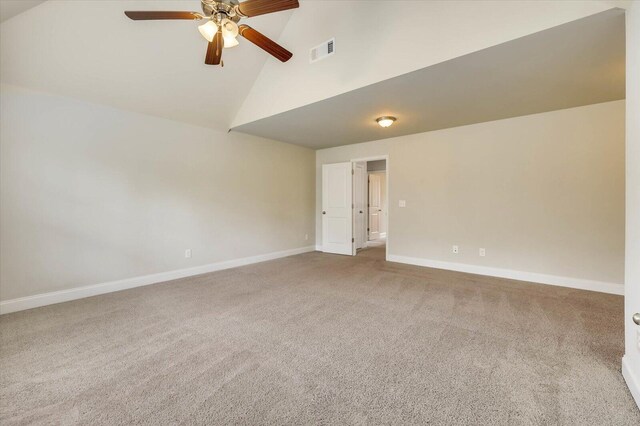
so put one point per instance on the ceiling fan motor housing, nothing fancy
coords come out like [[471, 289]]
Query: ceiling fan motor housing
[[221, 8]]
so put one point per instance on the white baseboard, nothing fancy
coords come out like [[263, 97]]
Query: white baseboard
[[44, 299], [633, 381], [319, 247], [579, 283]]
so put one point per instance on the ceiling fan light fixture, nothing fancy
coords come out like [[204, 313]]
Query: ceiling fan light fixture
[[220, 27], [230, 42], [229, 28], [208, 30], [386, 121]]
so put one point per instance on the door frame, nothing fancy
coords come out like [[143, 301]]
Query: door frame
[[388, 210]]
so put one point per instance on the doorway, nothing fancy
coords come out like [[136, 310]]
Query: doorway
[[373, 225], [377, 200], [355, 208]]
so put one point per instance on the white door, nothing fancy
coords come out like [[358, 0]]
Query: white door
[[360, 204], [631, 360], [337, 211], [375, 206]]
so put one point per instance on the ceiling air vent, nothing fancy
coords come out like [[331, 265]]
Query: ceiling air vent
[[322, 51]]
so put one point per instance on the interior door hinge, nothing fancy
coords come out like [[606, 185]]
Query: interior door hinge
[[353, 172], [353, 240]]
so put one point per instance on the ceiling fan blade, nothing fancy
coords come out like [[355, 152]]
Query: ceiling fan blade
[[265, 43], [153, 15], [251, 8], [214, 50]]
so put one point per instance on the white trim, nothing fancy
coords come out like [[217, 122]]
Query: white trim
[[318, 247], [373, 158], [44, 299], [579, 283], [632, 381]]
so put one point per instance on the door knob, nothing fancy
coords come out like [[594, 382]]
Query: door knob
[[636, 318], [324, 212], [360, 211]]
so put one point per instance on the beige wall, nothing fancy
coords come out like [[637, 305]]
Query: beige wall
[[91, 194], [541, 193]]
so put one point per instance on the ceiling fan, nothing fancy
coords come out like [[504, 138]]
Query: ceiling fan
[[221, 28]]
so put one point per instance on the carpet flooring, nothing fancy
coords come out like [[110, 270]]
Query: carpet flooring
[[320, 339], [375, 250]]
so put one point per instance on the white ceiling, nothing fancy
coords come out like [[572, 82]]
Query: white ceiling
[[90, 50], [574, 64], [11, 8], [376, 42]]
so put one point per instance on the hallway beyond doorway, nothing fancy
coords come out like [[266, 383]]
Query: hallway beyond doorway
[[376, 249]]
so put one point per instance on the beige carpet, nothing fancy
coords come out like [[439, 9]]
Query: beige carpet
[[320, 339], [375, 250]]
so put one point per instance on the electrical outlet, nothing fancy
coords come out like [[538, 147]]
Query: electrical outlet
[[482, 252], [455, 250], [306, 237], [187, 253], [402, 203]]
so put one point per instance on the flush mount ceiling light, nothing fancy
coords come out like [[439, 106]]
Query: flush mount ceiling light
[[385, 121]]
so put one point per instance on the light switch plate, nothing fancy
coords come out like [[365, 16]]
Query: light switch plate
[[187, 253], [402, 203]]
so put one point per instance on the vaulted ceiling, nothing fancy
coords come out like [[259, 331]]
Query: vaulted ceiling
[[90, 50], [378, 40], [578, 63], [11, 8]]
